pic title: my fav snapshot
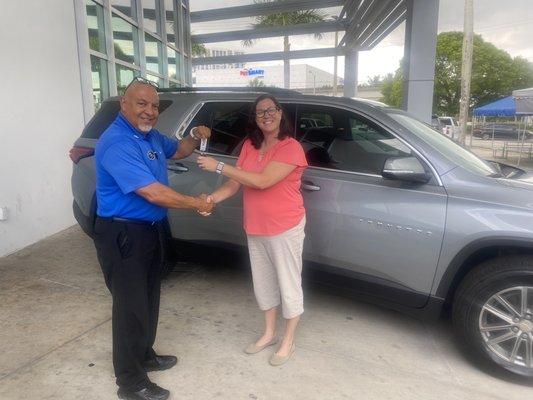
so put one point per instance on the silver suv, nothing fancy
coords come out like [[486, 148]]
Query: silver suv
[[396, 211]]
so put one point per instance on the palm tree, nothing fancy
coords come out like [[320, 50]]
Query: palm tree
[[286, 19], [198, 49]]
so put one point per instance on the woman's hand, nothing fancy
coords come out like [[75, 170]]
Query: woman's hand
[[207, 163]]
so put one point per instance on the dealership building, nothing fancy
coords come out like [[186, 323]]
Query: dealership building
[[65, 58]]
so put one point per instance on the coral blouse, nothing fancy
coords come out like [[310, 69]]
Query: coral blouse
[[274, 210]]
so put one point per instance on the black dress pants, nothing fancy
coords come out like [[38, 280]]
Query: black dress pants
[[129, 256]]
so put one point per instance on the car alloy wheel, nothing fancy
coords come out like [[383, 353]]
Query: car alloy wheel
[[506, 325], [492, 314]]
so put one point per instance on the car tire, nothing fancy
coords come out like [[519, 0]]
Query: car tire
[[485, 136], [482, 321]]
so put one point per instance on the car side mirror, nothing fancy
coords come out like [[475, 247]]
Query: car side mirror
[[408, 169]]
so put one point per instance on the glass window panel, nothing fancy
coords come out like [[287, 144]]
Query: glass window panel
[[95, 23], [150, 11], [124, 76], [125, 6], [125, 38], [100, 82], [152, 48], [169, 21], [172, 84], [186, 38], [172, 62]]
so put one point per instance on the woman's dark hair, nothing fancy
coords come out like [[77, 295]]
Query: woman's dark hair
[[255, 134]]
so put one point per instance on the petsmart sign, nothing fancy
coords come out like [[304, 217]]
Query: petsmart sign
[[252, 72]]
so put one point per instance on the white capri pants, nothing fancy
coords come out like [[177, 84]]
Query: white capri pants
[[277, 270]]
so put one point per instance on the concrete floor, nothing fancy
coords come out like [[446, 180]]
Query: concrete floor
[[55, 340]]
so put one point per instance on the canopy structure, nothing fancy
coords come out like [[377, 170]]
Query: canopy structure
[[505, 107], [524, 101], [365, 24]]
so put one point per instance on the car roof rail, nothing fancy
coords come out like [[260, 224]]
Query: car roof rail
[[273, 90]]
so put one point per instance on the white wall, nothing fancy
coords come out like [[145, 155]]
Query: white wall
[[40, 117]]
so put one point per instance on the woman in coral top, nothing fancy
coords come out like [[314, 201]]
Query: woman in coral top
[[270, 168]]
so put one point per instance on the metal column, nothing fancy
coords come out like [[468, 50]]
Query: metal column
[[350, 73], [419, 58]]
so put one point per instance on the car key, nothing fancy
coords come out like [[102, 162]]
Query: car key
[[203, 145]]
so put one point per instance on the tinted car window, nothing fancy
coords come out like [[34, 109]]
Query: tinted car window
[[228, 122], [366, 148], [349, 143], [106, 115]]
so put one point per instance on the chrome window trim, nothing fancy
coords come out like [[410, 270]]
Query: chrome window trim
[[193, 111], [196, 109]]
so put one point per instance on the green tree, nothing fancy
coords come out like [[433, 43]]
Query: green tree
[[256, 82], [198, 49], [495, 74], [392, 89], [286, 19]]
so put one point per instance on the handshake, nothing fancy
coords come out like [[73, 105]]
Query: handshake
[[206, 205]]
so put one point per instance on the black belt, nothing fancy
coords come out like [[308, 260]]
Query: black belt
[[129, 221]]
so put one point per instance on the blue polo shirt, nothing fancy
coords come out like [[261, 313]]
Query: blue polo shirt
[[126, 160]]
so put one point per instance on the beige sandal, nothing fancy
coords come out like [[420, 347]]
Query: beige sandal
[[253, 348], [276, 360]]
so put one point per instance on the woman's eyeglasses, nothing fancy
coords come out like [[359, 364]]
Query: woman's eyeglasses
[[270, 111]]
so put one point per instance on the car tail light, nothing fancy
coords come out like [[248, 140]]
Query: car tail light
[[77, 153]]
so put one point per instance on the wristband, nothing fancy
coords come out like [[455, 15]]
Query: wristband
[[220, 167], [193, 135]]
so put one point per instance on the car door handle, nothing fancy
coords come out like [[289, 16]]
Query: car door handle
[[177, 167], [310, 186]]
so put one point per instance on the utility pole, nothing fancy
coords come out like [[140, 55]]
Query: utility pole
[[466, 69]]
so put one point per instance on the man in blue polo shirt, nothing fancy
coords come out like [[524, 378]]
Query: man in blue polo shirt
[[133, 197]]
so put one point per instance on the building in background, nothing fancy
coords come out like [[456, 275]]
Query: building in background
[[65, 57], [303, 76], [219, 53]]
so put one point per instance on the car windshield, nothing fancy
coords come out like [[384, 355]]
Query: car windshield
[[447, 147]]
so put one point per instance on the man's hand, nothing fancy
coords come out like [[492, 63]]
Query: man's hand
[[202, 132], [209, 200], [206, 204]]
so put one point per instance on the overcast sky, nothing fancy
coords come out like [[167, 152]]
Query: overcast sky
[[507, 24]]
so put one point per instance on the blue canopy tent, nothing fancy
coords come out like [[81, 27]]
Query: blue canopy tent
[[505, 107]]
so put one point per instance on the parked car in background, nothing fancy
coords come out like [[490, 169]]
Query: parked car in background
[[500, 131], [448, 126], [395, 213]]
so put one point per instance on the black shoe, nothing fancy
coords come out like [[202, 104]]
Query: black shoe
[[160, 363], [150, 392]]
